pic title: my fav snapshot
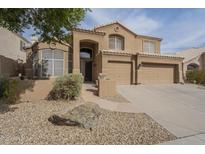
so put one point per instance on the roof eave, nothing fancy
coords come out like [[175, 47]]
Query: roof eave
[[88, 31]]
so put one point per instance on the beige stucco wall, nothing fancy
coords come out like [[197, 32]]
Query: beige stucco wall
[[79, 37], [106, 88], [133, 47], [10, 45], [132, 43]]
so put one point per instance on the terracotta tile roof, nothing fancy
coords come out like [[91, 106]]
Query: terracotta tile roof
[[103, 25], [160, 55], [89, 31], [117, 52]]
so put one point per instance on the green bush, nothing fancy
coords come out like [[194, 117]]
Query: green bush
[[197, 76], [66, 87], [8, 89], [191, 76]]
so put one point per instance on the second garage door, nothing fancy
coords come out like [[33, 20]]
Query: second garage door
[[156, 73], [119, 71]]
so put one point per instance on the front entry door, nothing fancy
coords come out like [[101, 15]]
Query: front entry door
[[88, 71], [86, 58]]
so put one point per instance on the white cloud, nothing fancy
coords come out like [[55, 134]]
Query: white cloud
[[142, 24], [135, 19], [186, 31]]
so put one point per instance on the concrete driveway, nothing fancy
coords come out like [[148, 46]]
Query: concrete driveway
[[178, 108]]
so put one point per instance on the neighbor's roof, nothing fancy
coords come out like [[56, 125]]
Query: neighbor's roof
[[191, 53], [160, 55], [116, 22]]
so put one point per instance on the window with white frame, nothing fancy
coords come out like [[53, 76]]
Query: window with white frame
[[52, 62], [149, 47], [116, 42]]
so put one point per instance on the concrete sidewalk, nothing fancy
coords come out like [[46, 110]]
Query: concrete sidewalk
[[190, 140]]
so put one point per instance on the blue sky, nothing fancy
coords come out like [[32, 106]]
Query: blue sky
[[179, 28]]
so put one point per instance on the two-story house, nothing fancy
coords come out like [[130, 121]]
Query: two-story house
[[112, 50], [11, 51]]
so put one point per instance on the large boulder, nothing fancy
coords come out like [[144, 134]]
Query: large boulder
[[85, 115]]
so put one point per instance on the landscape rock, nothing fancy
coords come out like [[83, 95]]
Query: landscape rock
[[85, 115]]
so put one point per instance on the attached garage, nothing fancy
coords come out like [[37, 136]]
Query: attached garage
[[126, 68], [150, 73], [120, 71]]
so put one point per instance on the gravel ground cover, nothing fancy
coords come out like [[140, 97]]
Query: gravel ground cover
[[27, 123]]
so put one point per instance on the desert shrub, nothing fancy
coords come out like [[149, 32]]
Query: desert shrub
[[191, 75], [200, 77], [66, 87], [8, 89], [197, 76]]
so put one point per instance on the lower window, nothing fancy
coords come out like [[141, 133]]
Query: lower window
[[52, 63]]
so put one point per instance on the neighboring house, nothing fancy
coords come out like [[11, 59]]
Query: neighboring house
[[11, 51], [194, 58], [112, 50]]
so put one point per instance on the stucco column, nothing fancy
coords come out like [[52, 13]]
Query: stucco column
[[136, 70], [76, 56], [180, 70], [133, 70]]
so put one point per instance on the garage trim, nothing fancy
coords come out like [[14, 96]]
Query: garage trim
[[153, 73]]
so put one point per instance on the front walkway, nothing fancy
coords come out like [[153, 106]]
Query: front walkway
[[89, 94]]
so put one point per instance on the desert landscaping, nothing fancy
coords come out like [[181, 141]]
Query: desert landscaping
[[27, 123]]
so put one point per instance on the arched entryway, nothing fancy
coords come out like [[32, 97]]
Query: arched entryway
[[86, 60], [88, 53]]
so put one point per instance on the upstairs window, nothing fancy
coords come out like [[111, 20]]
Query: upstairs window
[[116, 42], [149, 47]]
